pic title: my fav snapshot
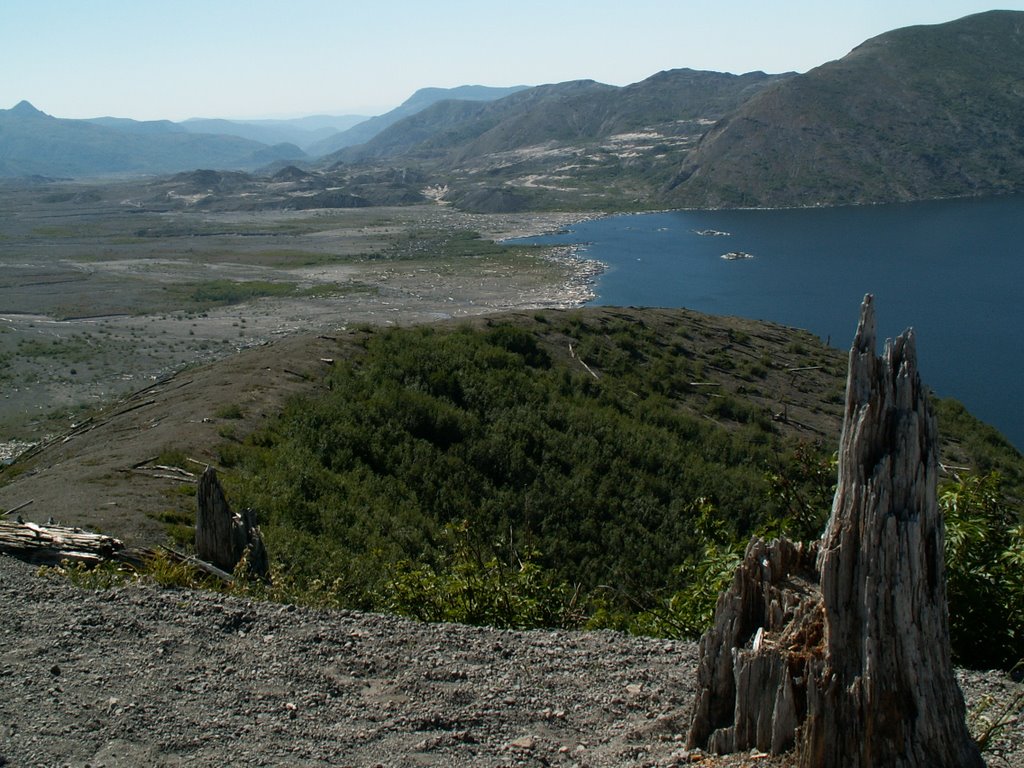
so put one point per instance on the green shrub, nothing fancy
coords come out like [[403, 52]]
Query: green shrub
[[431, 427], [689, 611], [476, 584], [96, 577], [230, 411], [984, 571], [173, 457]]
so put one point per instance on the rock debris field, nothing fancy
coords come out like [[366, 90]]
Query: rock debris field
[[144, 676]]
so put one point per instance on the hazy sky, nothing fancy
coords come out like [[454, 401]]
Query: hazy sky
[[174, 59]]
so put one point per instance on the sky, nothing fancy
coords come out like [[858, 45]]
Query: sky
[[246, 59]]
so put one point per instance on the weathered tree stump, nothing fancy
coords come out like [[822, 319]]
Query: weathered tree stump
[[773, 605], [842, 649], [224, 538]]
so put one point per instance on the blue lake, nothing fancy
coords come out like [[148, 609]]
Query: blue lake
[[953, 270]]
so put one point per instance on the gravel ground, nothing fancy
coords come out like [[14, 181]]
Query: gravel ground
[[143, 676]]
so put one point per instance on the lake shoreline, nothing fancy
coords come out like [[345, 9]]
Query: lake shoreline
[[814, 265]]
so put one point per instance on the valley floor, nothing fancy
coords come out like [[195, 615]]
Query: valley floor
[[97, 312], [144, 676]]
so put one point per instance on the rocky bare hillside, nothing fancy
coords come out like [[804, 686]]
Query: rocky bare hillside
[[140, 676]]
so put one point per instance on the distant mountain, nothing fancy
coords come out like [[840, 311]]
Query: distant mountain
[[920, 112], [917, 113], [582, 112], [419, 101], [314, 122], [137, 126], [572, 112], [304, 132], [543, 113], [34, 143], [575, 144]]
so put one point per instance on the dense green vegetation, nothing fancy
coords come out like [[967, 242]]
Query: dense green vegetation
[[433, 428], [221, 292], [985, 570], [485, 475], [205, 294]]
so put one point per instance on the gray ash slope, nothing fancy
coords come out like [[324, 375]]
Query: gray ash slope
[[139, 676], [142, 676]]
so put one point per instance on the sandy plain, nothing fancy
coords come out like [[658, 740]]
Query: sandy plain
[[103, 299]]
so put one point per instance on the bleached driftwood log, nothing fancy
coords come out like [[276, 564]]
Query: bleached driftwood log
[[53, 544], [845, 654], [224, 538]]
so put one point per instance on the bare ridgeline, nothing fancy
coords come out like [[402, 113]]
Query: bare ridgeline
[[841, 648]]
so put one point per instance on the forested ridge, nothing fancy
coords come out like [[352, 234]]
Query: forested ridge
[[598, 468]]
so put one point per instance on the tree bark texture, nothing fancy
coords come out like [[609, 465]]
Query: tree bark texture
[[752, 672], [224, 538], [853, 666]]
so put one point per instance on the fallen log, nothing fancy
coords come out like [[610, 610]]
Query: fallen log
[[223, 539], [53, 544], [12, 510], [195, 562]]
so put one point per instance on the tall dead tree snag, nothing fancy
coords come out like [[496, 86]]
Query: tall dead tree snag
[[842, 649], [886, 694], [224, 538]]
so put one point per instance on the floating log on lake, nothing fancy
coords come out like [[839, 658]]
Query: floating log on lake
[[841, 647]]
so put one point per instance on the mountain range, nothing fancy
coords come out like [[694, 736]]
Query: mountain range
[[422, 99], [568, 113], [35, 143], [304, 132], [920, 112]]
